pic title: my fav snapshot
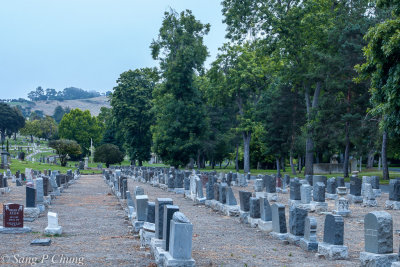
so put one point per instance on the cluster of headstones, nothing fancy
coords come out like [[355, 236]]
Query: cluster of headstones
[[160, 225]]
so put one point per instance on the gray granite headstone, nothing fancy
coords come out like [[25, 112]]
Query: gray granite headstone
[[244, 198], [334, 229], [394, 190], [222, 192], [186, 183], [340, 182], [30, 197], [375, 182], [278, 218], [331, 186], [209, 190], [230, 197], [295, 193], [297, 217], [254, 207], [319, 179], [286, 180], [181, 231], [39, 190], [305, 191], [169, 211], [355, 186], [270, 185], [216, 191], [141, 207], [309, 179], [319, 192], [159, 218], [199, 188], [150, 215], [265, 210], [378, 231]]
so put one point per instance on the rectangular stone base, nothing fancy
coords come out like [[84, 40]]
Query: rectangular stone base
[[260, 194], [145, 238], [293, 239], [308, 245], [232, 211], [319, 206], [355, 199], [31, 214], [171, 262], [293, 202], [265, 226], [12, 230], [377, 260], [331, 196], [179, 191], [253, 221], [377, 192], [243, 216], [272, 197], [370, 203], [137, 225], [392, 205], [155, 243], [333, 252], [200, 201], [53, 231], [279, 236], [159, 254], [344, 213]]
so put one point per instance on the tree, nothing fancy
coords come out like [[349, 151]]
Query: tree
[[80, 126], [64, 149], [108, 154], [32, 128], [11, 120], [180, 126], [48, 128], [59, 112], [382, 67], [131, 102]]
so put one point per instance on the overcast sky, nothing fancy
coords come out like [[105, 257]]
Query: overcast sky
[[86, 43]]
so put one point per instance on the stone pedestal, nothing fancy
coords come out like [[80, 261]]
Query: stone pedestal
[[272, 197], [377, 192], [179, 191], [253, 221], [233, 211], [333, 252], [31, 214], [377, 260], [169, 261], [53, 231], [370, 202], [331, 196], [265, 226], [146, 234], [243, 216], [319, 206], [392, 205], [293, 239], [280, 236], [292, 202], [308, 245], [12, 230], [154, 244], [355, 199]]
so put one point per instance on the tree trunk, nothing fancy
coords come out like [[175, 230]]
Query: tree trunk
[[309, 156], [360, 163], [283, 164], [212, 164], [32, 139], [15, 136], [140, 163], [191, 163], [385, 167], [198, 160], [292, 164], [278, 167], [246, 141], [346, 152], [380, 163], [370, 162], [237, 158], [299, 163]]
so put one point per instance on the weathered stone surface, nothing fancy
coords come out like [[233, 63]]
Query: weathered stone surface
[[305, 192], [309, 241], [254, 207], [222, 192], [334, 229], [244, 198], [319, 192], [297, 218], [169, 211], [30, 197], [216, 191], [278, 218], [355, 186], [378, 230], [295, 193], [159, 215], [331, 186], [309, 179], [340, 182], [141, 207], [230, 197], [265, 209], [209, 190], [180, 217], [375, 182], [270, 184], [258, 185], [319, 179], [378, 260], [394, 190], [151, 210]]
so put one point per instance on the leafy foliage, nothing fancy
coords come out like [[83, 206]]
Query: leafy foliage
[[108, 154], [65, 148]]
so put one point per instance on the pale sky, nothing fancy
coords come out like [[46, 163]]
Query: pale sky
[[86, 43]]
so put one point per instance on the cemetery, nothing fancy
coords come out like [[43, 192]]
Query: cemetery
[[221, 133]]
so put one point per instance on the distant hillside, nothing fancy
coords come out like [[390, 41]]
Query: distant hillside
[[91, 104]]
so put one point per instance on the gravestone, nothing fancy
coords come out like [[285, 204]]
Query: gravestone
[[52, 224], [319, 179], [297, 217], [369, 196], [169, 211], [244, 198], [270, 185], [265, 210], [216, 191], [209, 190], [334, 229], [222, 192], [230, 197], [254, 207], [378, 232], [286, 180], [39, 190], [258, 185], [309, 179], [295, 193], [278, 218], [141, 207], [305, 192], [13, 216], [331, 186], [394, 190], [342, 207], [30, 197], [355, 186], [309, 241], [319, 192], [159, 215], [150, 215], [46, 186]]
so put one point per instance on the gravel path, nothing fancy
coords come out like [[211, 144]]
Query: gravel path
[[94, 229], [223, 241]]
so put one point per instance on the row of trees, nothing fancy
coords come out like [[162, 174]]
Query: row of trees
[[69, 93], [285, 86]]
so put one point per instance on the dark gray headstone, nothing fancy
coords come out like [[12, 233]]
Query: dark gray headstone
[[254, 207], [319, 192], [309, 179], [150, 216], [186, 183], [209, 191], [375, 182], [270, 185], [297, 217], [334, 229], [394, 190], [216, 191], [319, 179], [222, 192], [169, 211], [355, 186], [286, 180], [30, 197], [295, 193], [265, 210], [159, 215], [340, 182], [278, 218], [244, 198], [331, 186]]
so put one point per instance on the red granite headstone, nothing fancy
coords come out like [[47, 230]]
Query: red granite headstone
[[13, 215]]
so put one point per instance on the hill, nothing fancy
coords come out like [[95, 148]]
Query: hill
[[91, 104]]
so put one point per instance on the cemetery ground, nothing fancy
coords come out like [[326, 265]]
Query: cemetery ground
[[94, 230]]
